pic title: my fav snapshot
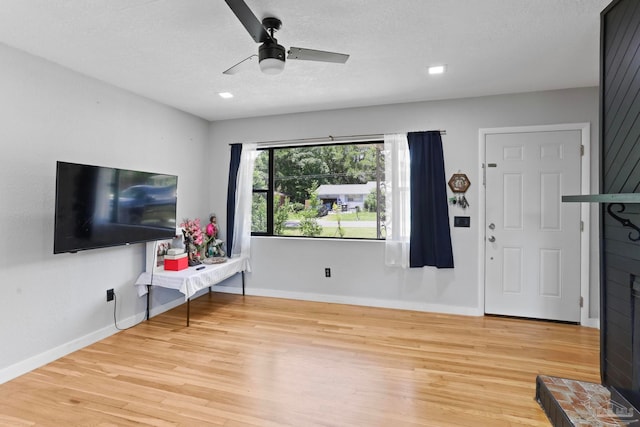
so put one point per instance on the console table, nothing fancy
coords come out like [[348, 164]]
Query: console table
[[190, 280]]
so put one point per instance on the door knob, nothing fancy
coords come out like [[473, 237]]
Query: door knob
[[492, 239]]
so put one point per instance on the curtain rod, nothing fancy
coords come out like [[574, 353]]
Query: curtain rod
[[330, 138]]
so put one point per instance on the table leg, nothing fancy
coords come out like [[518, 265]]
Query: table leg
[[188, 310], [243, 283], [148, 299]]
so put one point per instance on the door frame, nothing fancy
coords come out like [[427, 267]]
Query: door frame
[[585, 179]]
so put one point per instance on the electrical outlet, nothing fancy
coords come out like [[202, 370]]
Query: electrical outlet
[[327, 272], [110, 295]]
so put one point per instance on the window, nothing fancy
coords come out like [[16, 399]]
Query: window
[[332, 190]]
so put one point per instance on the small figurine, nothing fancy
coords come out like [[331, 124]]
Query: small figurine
[[214, 245], [191, 249], [212, 227]]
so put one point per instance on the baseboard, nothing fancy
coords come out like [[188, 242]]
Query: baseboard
[[155, 310], [591, 322], [34, 362], [368, 302], [159, 309], [228, 289]]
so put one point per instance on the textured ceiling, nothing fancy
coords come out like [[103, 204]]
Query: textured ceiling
[[174, 51]]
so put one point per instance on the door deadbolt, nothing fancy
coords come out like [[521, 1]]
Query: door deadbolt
[[492, 226], [492, 239]]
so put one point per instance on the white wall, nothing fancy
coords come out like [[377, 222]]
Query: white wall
[[295, 267], [52, 304]]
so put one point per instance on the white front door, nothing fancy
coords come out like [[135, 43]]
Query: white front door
[[532, 245]]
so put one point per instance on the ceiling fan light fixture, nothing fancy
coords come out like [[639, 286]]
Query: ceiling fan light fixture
[[271, 57], [271, 66]]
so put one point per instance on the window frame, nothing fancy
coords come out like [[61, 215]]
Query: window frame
[[269, 193], [270, 190]]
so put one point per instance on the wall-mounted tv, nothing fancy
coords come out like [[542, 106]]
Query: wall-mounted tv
[[97, 207]]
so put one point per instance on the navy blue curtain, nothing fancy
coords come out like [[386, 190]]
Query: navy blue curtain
[[430, 242], [234, 165]]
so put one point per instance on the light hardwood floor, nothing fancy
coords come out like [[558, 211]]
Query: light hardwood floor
[[253, 361]]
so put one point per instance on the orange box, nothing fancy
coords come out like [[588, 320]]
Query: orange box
[[176, 264]]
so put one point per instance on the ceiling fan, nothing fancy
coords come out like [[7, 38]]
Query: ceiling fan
[[271, 55]]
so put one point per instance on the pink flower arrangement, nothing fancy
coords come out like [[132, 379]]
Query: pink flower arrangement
[[193, 230]]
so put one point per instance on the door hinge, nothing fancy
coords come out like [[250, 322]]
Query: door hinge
[[581, 225], [581, 302], [581, 150]]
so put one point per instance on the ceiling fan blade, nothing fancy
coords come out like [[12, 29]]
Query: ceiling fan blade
[[240, 65], [249, 20], [316, 55]]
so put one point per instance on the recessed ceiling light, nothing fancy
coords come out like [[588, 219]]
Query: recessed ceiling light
[[436, 69], [225, 95]]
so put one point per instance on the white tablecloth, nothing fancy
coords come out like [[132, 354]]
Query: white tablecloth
[[189, 281]]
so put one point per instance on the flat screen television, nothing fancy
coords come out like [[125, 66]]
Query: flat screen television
[[98, 207]]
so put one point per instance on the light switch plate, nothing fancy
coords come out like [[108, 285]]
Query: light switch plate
[[461, 221]]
